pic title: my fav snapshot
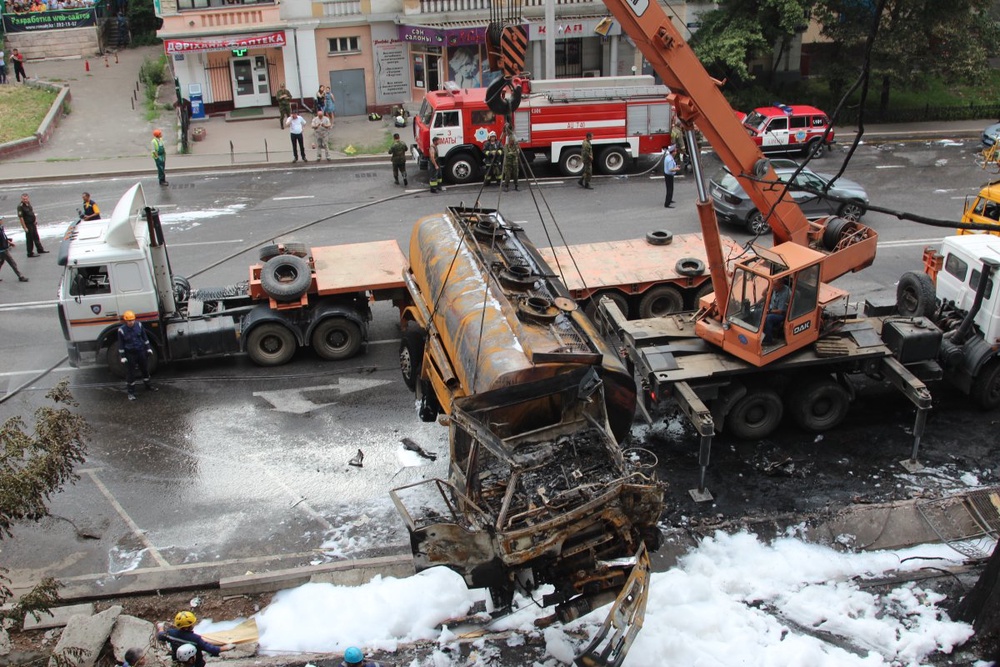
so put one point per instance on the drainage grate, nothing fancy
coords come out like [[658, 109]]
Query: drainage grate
[[968, 523]]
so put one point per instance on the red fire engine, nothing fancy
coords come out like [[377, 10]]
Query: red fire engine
[[628, 115]]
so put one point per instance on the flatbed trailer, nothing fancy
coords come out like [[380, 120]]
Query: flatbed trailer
[[717, 391]]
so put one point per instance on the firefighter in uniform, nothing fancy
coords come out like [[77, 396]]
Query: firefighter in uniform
[[134, 350], [492, 161], [587, 155], [436, 172], [510, 166], [398, 152]]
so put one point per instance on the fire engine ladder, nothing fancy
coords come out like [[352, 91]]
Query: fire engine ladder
[[609, 93], [968, 523]]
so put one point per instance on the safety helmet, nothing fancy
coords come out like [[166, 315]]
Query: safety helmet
[[492, 134], [186, 651], [157, 133], [353, 656], [183, 619], [128, 317]]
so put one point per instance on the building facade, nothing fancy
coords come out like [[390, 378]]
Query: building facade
[[374, 54]]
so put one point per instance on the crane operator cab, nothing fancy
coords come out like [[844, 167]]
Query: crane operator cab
[[773, 307]]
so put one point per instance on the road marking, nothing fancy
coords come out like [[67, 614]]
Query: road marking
[[909, 242], [296, 197], [889, 166], [8, 374], [297, 401], [92, 473], [194, 243], [27, 305]]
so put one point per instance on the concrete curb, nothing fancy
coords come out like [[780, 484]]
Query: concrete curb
[[46, 127]]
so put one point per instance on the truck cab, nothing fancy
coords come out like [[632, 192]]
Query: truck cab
[[984, 209]]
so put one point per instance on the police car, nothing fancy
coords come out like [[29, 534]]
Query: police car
[[783, 128]]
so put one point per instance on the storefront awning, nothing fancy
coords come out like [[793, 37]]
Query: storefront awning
[[268, 40]]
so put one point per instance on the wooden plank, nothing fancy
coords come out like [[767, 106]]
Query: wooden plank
[[358, 267]]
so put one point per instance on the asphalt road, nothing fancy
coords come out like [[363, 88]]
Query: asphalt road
[[231, 463]]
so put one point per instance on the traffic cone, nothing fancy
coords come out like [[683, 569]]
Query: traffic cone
[[86, 65]]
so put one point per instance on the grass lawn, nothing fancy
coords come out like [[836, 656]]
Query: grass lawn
[[22, 108]]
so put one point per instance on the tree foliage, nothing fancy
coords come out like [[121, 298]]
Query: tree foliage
[[738, 31], [33, 466], [916, 39]]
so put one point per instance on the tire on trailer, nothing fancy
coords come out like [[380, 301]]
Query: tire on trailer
[[285, 277], [659, 237], [182, 288], [613, 160], [411, 354], [116, 366], [271, 344], [661, 300], [571, 163], [689, 266], [756, 415], [337, 338], [985, 389], [820, 405], [915, 295], [620, 300], [463, 167]]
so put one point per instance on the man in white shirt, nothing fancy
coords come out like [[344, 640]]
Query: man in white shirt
[[669, 169], [296, 124]]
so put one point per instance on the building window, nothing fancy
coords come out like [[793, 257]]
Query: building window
[[212, 4], [344, 44]]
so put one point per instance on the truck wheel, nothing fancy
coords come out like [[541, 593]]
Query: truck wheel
[[571, 163], [705, 289], [659, 237], [337, 338], [820, 406], [117, 368], [756, 224], [613, 160], [985, 389], [620, 300], [411, 354], [182, 288], [271, 344], [915, 295], [462, 168], [756, 415], [661, 300], [427, 404], [285, 277]]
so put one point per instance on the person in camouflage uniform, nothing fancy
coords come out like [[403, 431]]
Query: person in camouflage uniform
[[587, 155], [398, 152], [510, 166], [493, 160], [435, 166], [284, 104]]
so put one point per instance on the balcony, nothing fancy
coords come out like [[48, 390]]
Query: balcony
[[337, 8]]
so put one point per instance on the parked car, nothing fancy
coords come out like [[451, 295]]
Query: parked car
[[991, 135], [734, 206]]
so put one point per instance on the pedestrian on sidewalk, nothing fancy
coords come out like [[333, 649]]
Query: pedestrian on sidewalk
[[284, 104], [436, 171], [122, 29], [90, 209], [321, 135], [159, 154], [26, 214], [296, 124], [17, 58], [134, 350], [398, 152], [670, 168], [329, 104], [587, 155], [5, 253], [3, 68]]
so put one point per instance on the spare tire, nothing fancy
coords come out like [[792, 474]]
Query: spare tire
[[285, 277], [915, 295], [659, 237], [690, 266]]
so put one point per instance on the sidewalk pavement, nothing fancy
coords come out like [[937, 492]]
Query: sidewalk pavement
[[107, 133]]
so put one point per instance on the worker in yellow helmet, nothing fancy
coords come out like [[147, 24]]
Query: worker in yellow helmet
[[134, 350], [182, 638]]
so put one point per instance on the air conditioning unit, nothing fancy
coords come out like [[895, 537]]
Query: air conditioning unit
[[591, 73]]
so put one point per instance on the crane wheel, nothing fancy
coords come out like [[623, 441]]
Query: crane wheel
[[820, 406], [756, 415]]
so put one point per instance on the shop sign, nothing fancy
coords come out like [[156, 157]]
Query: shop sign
[[442, 36], [575, 29], [54, 20], [274, 39]]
